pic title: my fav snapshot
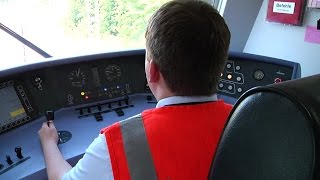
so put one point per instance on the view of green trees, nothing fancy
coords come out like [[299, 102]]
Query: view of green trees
[[124, 19]]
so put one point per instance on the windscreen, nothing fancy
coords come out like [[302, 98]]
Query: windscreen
[[65, 28]]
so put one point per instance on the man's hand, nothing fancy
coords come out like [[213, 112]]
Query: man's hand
[[56, 165], [48, 133]]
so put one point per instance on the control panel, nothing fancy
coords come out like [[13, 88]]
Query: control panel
[[244, 71], [91, 83], [86, 94], [13, 161], [100, 80]]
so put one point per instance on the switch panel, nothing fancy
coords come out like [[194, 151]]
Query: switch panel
[[243, 72]]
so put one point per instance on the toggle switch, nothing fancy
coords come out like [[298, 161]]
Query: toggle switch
[[98, 116], [18, 151], [119, 112], [126, 99], [8, 159]]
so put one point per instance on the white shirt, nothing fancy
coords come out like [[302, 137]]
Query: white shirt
[[96, 163]]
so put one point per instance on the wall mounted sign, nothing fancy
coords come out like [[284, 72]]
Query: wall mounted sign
[[283, 7], [286, 11]]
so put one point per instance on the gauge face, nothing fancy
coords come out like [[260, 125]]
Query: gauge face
[[258, 75], [77, 78], [113, 72]]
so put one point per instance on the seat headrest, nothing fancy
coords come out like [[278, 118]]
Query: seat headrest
[[272, 133], [305, 91]]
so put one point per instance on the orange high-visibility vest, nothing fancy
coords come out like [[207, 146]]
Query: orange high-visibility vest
[[171, 142]]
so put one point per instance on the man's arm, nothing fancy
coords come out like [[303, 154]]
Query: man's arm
[[95, 163], [56, 165]]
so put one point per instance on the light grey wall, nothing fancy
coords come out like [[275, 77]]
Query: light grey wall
[[285, 42], [240, 15]]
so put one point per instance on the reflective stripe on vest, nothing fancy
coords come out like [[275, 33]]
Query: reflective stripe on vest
[[137, 149]]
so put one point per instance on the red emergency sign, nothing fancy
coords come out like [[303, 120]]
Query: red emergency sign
[[286, 11]]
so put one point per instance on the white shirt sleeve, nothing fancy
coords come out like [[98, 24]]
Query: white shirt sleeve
[[95, 163]]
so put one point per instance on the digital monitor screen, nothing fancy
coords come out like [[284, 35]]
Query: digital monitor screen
[[11, 108]]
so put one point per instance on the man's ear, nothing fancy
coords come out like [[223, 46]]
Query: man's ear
[[153, 72]]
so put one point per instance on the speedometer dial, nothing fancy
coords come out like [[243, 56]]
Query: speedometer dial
[[77, 78], [113, 72]]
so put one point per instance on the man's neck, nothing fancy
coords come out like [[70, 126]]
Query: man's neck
[[162, 92]]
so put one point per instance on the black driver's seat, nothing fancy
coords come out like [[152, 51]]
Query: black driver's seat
[[272, 133]]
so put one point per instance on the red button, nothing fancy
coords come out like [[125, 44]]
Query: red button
[[277, 80]]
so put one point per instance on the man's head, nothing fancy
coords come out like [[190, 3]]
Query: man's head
[[187, 45]]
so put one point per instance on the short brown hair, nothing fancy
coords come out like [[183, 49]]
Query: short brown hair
[[188, 40]]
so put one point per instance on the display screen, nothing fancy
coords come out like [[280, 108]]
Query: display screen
[[11, 108]]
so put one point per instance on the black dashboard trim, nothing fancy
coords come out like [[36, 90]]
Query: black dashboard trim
[[52, 62]]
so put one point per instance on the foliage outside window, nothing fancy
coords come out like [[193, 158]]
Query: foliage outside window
[[65, 28], [73, 27]]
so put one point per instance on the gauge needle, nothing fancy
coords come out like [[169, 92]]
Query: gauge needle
[[78, 72]]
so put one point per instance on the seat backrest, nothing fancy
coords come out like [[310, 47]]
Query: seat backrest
[[272, 133]]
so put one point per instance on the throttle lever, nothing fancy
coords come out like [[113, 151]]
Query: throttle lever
[[49, 116], [64, 136]]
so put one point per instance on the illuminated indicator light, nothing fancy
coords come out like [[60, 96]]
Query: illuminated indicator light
[[118, 87], [86, 97], [229, 76], [277, 80], [221, 74], [105, 89], [82, 93]]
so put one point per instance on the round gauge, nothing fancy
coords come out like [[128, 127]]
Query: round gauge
[[77, 78], [258, 75], [113, 72]]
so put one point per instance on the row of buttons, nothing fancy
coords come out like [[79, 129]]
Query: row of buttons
[[228, 87], [238, 78], [6, 84], [14, 124], [229, 66], [231, 73], [25, 99], [231, 79]]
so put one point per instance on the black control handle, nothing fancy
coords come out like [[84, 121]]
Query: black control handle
[[50, 115], [8, 159], [18, 151]]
